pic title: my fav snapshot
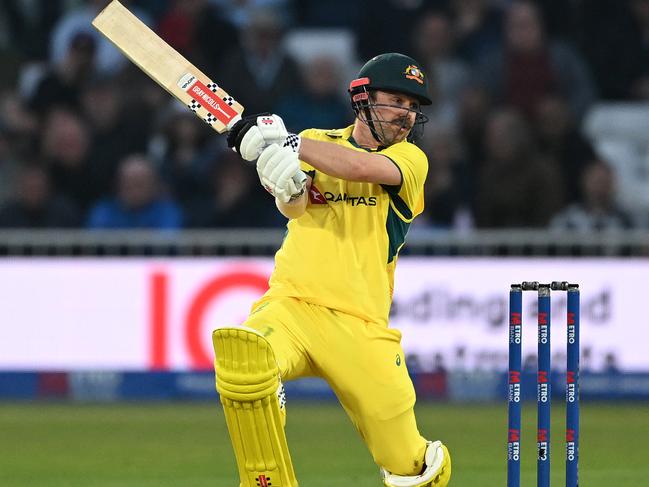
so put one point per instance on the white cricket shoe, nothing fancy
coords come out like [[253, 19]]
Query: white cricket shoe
[[436, 474]]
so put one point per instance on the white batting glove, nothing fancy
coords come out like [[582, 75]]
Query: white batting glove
[[279, 172], [269, 129]]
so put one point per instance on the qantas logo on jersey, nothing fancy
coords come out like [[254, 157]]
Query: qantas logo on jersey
[[349, 199], [318, 198], [352, 200]]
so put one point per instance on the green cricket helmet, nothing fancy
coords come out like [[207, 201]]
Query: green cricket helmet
[[391, 72]]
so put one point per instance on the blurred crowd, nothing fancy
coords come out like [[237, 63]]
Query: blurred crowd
[[87, 141]]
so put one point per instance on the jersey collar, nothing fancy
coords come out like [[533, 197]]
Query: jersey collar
[[346, 134]]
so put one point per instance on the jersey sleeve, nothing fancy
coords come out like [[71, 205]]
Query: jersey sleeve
[[308, 169], [408, 197]]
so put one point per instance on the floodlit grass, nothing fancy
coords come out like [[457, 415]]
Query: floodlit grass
[[186, 444]]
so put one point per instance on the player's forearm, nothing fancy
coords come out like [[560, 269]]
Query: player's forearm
[[293, 209], [348, 164]]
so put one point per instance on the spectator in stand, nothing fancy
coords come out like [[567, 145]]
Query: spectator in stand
[[233, 201], [386, 25], [474, 111], [178, 25], [139, 202], [316, 13], [62, 85], [79, 20], [8, 166], [478, 27], [434, 45], [597, 209], [65, 146], [35, 205], [200, 31], [617, 45], [261, 71], [318, 102], [517, 187], [114, 132], [638, 50], [242, 12], [19, 126], [11, 67], [156, 8], [28, 24], [564, 19], [560, 139], [189, 150], [143, 102], [530, 66], [446, 193]]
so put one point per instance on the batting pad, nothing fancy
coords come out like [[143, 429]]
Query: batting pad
[[247, 379]]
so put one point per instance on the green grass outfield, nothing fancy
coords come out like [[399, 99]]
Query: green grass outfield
[[185, 444]]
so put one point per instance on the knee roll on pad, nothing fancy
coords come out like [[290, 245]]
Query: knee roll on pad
[[436, 474], [247, 380]]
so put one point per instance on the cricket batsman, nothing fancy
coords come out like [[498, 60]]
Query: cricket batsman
[[350, 195]]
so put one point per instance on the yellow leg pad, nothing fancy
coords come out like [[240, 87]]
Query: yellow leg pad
[[247, 378]]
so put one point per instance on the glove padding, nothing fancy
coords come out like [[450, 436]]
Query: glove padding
[[239, 130], [252, 134], [279, 172]]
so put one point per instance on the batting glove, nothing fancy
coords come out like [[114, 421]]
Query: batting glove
[[279, 172], [250, 135]]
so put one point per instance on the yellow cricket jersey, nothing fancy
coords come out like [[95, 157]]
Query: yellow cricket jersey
[[341, 253]]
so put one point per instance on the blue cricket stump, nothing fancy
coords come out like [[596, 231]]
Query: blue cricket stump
[[514, 388], [543, 385], [572, 389], [543, 397]]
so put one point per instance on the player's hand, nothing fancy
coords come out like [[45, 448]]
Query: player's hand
[[238, 131], [252, 134], [279, 172]]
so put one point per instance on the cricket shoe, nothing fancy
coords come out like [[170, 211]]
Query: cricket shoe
[[436, 474]]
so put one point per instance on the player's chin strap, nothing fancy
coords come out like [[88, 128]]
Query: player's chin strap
[[360, 99], [365, 111]]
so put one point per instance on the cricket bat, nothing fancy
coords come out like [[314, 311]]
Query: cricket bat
[[167, 67]]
